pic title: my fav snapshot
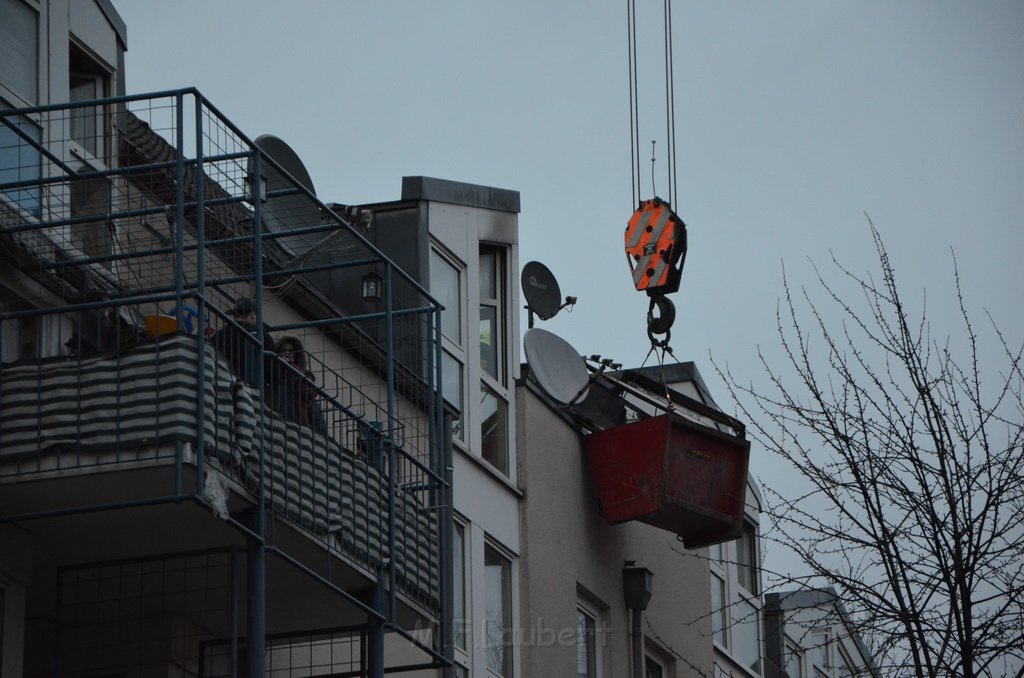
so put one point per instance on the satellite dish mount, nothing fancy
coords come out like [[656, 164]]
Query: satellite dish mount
[[543, 296]]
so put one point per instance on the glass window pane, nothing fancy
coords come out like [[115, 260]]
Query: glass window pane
[[489, 338], [451, 379], [746, 559], [498, 612], [818, 650], [586, 646], [494, 429], [444, 286], [489, 275], [19, 48], [85, 121], [793, 661], [459, 579], [20, 162], [652, 669], [719, 619], [746, 638]]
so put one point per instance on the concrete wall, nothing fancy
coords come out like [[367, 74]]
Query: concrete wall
[[570, 553]]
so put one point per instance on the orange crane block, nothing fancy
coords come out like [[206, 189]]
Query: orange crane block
[[655, 247]]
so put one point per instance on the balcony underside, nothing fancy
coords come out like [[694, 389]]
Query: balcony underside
[[117, 431]]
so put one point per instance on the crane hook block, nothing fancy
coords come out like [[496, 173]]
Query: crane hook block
[[655, 247]]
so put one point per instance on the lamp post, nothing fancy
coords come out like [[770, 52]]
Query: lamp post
[[637, 585]]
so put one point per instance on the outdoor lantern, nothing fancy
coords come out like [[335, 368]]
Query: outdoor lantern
[[636, 584], [373, 287]]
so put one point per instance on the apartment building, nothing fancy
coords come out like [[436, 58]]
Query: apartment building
[[178, 496], [808, 634]]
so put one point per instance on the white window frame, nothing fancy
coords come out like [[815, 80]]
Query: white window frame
[[454, 344], [499, 385], [508, 632], [593, 613], [792, 648], [724, 565], [820, 638], [102, 75], [463, 619]]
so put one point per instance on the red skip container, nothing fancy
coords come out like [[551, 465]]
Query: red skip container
[[671, 472]]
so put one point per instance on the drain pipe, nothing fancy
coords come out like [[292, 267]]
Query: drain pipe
[[636, 585]]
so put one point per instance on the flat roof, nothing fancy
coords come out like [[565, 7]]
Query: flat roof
[[459, 193]]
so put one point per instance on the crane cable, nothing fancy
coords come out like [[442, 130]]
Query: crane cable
[[634, 103], [655, 281]]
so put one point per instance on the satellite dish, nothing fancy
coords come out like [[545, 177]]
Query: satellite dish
[[556, 366], [541, 290], [291, 212]]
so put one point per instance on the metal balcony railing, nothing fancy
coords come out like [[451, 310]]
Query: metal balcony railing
[[147, 283]]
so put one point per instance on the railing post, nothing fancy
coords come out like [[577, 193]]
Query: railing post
[[389, 323], [257, 545], [179, 255], [200, 301]]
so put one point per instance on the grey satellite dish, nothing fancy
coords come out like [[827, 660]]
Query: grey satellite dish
[[541, 290], [556, 366], [291, 212]]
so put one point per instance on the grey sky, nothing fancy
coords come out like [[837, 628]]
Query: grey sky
[[793, 120]]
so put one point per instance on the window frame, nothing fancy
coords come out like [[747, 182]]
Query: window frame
[[454, 347], [496, 384], [462, 619], [507, 641], [659, 665], [595, 657], [95, 151]]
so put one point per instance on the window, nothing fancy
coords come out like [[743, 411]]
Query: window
[[446, 288], [653, 668], [498, 611], [746, 560], [793, 660], [492, 342], [20, 161], [88, 81], [818, 652], [588, 640], [494, 429], [19, 49], [746, 635], [459, 584], [719, 611]]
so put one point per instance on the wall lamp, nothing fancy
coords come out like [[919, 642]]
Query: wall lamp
[[636, 584], [373, 287]]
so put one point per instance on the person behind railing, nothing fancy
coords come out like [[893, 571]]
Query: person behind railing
[[299, 385], [240, 346]]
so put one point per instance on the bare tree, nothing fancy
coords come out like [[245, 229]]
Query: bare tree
[[908, 448]]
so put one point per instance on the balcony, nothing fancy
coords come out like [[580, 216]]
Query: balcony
[[151, 437]]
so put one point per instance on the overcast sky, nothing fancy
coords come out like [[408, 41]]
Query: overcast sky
[[794, 119]]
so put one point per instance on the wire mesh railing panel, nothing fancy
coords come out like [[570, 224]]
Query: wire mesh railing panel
[[340, 653], [141, 617]]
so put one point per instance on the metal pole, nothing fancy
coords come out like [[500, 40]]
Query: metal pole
[[200, 307], [392, 453], [375, 633], [637, 636], [257, 546]]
